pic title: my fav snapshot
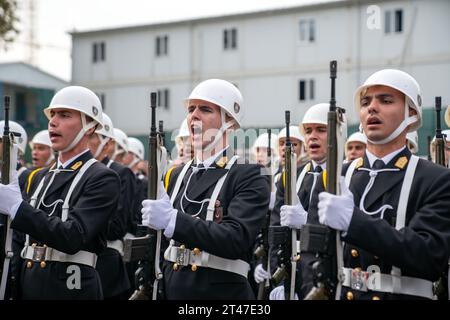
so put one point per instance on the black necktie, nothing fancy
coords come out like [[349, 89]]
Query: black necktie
[[318, 169], [378, 164]]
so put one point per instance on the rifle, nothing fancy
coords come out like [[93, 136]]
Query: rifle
[[262, 251], [429, 158], [8, 164], [148, 246], [440, 138], [321, 239], [284, 239]]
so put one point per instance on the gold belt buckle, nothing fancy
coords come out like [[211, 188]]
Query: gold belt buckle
[[39, 253], [358, 280]]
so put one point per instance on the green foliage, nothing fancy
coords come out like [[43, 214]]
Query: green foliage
[[8, 21]]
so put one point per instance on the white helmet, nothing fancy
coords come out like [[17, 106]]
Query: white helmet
[[404, 83], [447, 116], [318, 114], [107, 129], [137, 147], [42, 137], [413, 139], [357, 137], [15, 127], [222, 93], [121, 139], [105, 134], [184, 130], [263, 141], [80, 99], [294, 132]]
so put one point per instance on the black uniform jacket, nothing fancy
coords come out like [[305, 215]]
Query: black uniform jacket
[[110, 264], [421, 249], [93, 202], [239, 214]]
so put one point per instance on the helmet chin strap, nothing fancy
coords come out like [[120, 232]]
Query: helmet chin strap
[[49, 160], [85, 128], [405, 123], [101, 146], [225, 126], [134, 162]]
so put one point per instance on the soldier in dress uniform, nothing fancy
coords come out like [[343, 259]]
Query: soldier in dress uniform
[[394, 217], [216, 206], [355, 146], [22, 171], [121, 146], [310, 182], [41, 150], [68, 206], [297, 140], [110, 265]]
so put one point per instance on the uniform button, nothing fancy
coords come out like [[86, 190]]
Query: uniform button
[[376, 298], [29, 264], [175, 266], [196, 251], [194, 267], [43, 264], [349, 295], [354, 253]]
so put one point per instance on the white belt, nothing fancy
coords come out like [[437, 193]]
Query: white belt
[[184, 257], [117, 245], [359, 280], [38, 253]]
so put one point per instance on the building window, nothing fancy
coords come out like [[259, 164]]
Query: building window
[[163, 98], [307, 30], [393, 21], [98, 51], [230, 39], [162, 45], [306, 90]]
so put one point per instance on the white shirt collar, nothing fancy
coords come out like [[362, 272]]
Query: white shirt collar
[[65, 164], [386, 159], [208, 162], [315, 164]]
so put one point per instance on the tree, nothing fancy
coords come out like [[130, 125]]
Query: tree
[[8, 20]]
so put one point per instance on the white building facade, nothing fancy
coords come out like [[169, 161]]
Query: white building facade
[[279, 58]]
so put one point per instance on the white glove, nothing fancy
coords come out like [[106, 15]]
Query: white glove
[[10, 197], [293, 216], [336, 211], [157, 214], [260, 274], [272, 200], [278, 294]]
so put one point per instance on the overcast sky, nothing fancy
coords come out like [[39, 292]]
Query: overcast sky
[[54, 18]]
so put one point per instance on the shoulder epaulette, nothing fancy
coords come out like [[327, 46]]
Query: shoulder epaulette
[[30, 178]]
